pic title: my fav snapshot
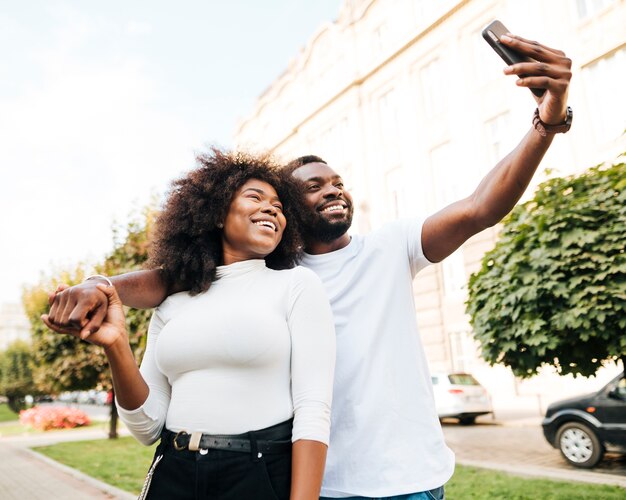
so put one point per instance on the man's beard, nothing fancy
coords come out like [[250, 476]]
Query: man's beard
[[316, 227]]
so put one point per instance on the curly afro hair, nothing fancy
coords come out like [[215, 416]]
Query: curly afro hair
[[187, 243]]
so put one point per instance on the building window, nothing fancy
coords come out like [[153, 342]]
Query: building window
[[587, 8], [434, 85], [604, 80], [445, 176], [498, 134], [332, 144], [448, 179], [454, 278], [389, 130], [396, 203], [463, 351], [381, 37]]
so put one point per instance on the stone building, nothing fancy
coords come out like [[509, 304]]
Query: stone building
[[13, 325], [406, 100]]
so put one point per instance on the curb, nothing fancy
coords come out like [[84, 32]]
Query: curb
[[95, 483], [582, 476]]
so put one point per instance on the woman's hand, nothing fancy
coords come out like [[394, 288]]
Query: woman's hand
[[112, 329], [552, 71]]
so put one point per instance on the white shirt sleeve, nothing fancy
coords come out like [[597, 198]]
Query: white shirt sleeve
[[146, 422], [412, 230], [312, 331]]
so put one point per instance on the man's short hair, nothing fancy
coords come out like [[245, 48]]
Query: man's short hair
[[302, 160]]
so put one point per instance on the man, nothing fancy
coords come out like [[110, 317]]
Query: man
[[386, 440]]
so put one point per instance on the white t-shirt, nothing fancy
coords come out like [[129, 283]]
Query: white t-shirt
[[254, 350], [386, 438]]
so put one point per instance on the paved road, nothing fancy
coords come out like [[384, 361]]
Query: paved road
[[517, 446], [23, 475]]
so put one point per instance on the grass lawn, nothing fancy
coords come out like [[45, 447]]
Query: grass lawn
[[6, 415], [470, 483], [14, 428], [120, 462], [124, 463]]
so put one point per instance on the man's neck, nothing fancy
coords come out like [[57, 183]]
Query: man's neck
[[316, 247]]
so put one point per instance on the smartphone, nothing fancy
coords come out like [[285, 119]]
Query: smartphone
[[492, 34]]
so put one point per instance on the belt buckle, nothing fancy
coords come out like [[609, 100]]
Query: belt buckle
[[178, 447]]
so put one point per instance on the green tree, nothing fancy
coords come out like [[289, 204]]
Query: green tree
[[64, 363], [129, 254], [553, 290], [16, 377]]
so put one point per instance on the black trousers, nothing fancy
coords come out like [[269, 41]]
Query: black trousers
[[218, 474]]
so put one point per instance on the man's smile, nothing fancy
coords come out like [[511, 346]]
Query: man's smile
[[333, 206]]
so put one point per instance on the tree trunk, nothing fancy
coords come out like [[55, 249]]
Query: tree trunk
[[113, 419], [16, 404]]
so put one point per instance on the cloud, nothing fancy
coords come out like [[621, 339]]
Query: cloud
[[85, 139], [138, 28]]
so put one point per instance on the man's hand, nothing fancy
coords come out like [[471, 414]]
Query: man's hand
[[499, 191], [78, 310], [552, 71], [110, 331]]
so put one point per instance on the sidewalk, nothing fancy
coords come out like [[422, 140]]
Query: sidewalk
[[27, 474], [517, 446]]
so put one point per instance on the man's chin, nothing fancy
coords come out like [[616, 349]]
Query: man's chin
[[332, 219], [327, 231]]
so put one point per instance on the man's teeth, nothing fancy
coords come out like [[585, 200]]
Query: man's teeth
[[333, 208], [266, 223]]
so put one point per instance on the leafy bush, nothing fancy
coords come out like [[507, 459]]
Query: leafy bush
[[46, 418], [553, 290], [16, 377]]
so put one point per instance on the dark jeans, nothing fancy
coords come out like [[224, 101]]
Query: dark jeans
[[219, 474], [436, 494]]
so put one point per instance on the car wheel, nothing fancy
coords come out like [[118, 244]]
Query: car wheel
[[467, 420], [579, 445]]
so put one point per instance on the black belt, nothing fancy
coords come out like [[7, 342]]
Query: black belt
[[270, 440]]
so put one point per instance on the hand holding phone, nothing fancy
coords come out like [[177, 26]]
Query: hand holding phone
[[492, 34]]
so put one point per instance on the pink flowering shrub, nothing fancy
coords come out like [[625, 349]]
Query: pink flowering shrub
[[53, 418]]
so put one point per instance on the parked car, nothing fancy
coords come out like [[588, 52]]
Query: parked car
[[583, 428], [459, 395]]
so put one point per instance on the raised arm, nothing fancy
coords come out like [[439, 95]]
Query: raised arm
[[82, 308], [503, 186]]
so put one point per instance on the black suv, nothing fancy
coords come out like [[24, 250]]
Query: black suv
[[584, 427]]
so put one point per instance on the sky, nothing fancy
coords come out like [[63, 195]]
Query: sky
[[102, 104]]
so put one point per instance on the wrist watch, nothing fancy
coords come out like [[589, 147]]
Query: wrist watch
[[544, 129]]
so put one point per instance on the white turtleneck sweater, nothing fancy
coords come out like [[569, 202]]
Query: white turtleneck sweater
[[254, 350]]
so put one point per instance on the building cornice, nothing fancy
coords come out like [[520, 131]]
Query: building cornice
[[357, 82]]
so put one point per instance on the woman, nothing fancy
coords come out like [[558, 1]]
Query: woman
[[230, 363]]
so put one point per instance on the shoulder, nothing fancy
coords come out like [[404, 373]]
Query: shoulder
[[300, 273], [172, 304], [301, 278], [298, 276], [400, 230]]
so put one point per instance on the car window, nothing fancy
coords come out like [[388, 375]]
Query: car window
[[435, 380], [462, 379]]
